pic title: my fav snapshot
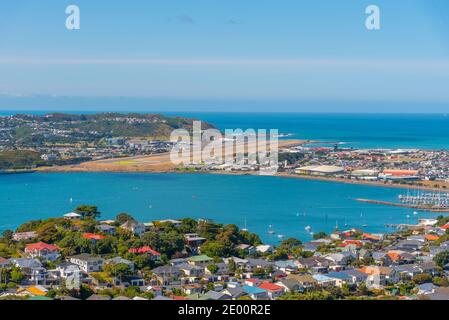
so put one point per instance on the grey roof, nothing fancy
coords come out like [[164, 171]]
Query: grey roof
[[286, 264], [260, 262], [356, 273], [105, 227], [162, 270], [26, 262], [235, 292], [427, 287], [86, 257], [378, 255], [117, 260], [98, 297], [291, 284], [218, 295]]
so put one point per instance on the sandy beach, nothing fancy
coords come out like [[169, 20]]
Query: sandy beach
[[151, 163], [160, 163]]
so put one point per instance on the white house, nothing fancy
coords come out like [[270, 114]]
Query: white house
[[135, 227], [42, 250], [73, 216], [264, 248], [66, 269], [87, 262]]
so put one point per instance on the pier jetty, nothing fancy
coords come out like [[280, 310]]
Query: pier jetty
[[423, 207]]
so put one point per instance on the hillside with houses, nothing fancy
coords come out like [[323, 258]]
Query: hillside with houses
[[80, 256]]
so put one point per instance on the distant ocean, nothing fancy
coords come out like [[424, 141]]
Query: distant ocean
[[288, 204], [426, 131]]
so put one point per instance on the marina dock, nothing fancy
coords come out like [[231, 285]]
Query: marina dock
[[423, 207]]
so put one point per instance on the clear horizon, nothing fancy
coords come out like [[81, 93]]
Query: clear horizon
[[265, 56]]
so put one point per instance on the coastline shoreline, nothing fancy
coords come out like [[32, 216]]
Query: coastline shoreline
[[160, 163], [247, 173]]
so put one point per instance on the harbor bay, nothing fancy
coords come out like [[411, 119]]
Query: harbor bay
[[289, 206]]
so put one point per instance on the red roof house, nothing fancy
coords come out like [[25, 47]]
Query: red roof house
[[93, 236], [146, 250], [273, 289], [42, 250]]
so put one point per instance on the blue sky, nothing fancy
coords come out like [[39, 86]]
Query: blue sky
[[201, 54]]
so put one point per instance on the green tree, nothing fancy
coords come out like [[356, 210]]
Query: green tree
[[290, 244], [119, 270], [215, 249], [441, 259], [17, 276], [7, 235], [319, 235], [422, 278], [123, 217], [88, 211], [440, 281], [213, 268]]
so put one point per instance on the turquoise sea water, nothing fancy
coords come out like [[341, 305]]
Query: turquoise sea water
[[424, 131], [288, 204]]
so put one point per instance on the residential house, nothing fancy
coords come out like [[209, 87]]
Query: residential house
[[214, 295], [340, 260], [200, 260], [324, 281], [107, 229], [152, 254], [273, 290], [120, 260], [255, 293], [43, 250], [24, 236], [175, 223], [305, 281], [380, 276], [234, 292], [32, 268], [248, 249], [259, 264], [167, 275], [287, 266], [194, 241], [191, 289], [381, 258], [289, 285], [135, 227], [252, 282], [264, 248], [356, 277], [93, 237], [87, 262], [67, 269], [314, 264], [73, 216], [191, 271]]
